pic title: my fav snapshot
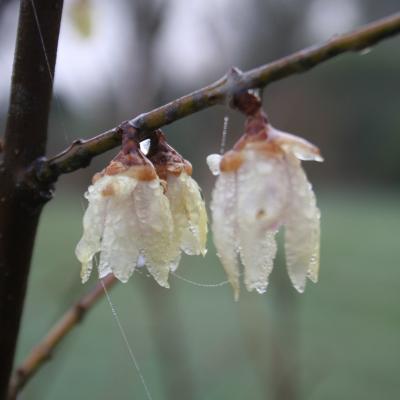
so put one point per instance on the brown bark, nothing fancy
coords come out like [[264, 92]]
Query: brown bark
[[21, 199]]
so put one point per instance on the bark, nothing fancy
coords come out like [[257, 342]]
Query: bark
[[21, 197]]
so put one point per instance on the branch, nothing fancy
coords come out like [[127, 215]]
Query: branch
[[43, 351], [80, 153], [24, 141]]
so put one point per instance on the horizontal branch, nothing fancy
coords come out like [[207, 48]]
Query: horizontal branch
[[80, 153], [43, 351]]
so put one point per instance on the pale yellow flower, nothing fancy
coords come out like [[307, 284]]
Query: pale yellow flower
[[262, 186], [142, 213], [184, 194], [129, 222]]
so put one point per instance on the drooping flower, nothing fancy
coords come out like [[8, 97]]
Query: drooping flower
[[128, 220], [184, 194], [262, 186], [142, 213]]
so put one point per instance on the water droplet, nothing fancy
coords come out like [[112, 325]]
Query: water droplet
[[145, 146], [365, 51], [213, 161], [192, 229], [299, 287], [141, 261], [308, 157]]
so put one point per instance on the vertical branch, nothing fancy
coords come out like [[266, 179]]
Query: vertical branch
[[25, 137]]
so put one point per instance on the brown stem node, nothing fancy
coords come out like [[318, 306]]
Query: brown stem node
[[247, 103]]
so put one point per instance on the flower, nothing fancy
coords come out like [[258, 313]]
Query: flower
[[142, 213], [128, 221], [187, 205], [262, 186]]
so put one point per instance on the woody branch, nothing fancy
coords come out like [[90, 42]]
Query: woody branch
[[44, 349], [25, 139], [80, 153]]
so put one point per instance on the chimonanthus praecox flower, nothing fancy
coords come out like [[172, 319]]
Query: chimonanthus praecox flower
[[184, 195], [138, 217], [262, 186]]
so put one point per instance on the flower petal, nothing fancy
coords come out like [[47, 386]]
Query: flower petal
[[93, 225], [301, 148], [263, 187], [155, 226], [188, 213], [257, 252], [224, 211], [119, 247], [302, 231], [263, 190]]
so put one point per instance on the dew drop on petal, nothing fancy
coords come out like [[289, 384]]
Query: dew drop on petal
[[302, 229], [141, 261], [365, 51], [213, 162], [307, 156], [188, 213], [224, 226], [145, 146]]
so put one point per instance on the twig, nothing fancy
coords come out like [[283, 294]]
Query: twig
[[43, 351], [80, 153]]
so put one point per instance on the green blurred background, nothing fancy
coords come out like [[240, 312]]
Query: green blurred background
[[341, 338]]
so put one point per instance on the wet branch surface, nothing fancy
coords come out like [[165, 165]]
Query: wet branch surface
[[25, 140], [80, 153]]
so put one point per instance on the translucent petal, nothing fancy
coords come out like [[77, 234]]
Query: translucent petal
[[257, 252], [119, 247], [263, 189], [188, 213], [156, 229], [301, 148], [224, 226], [302, 230], [93, 225]]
